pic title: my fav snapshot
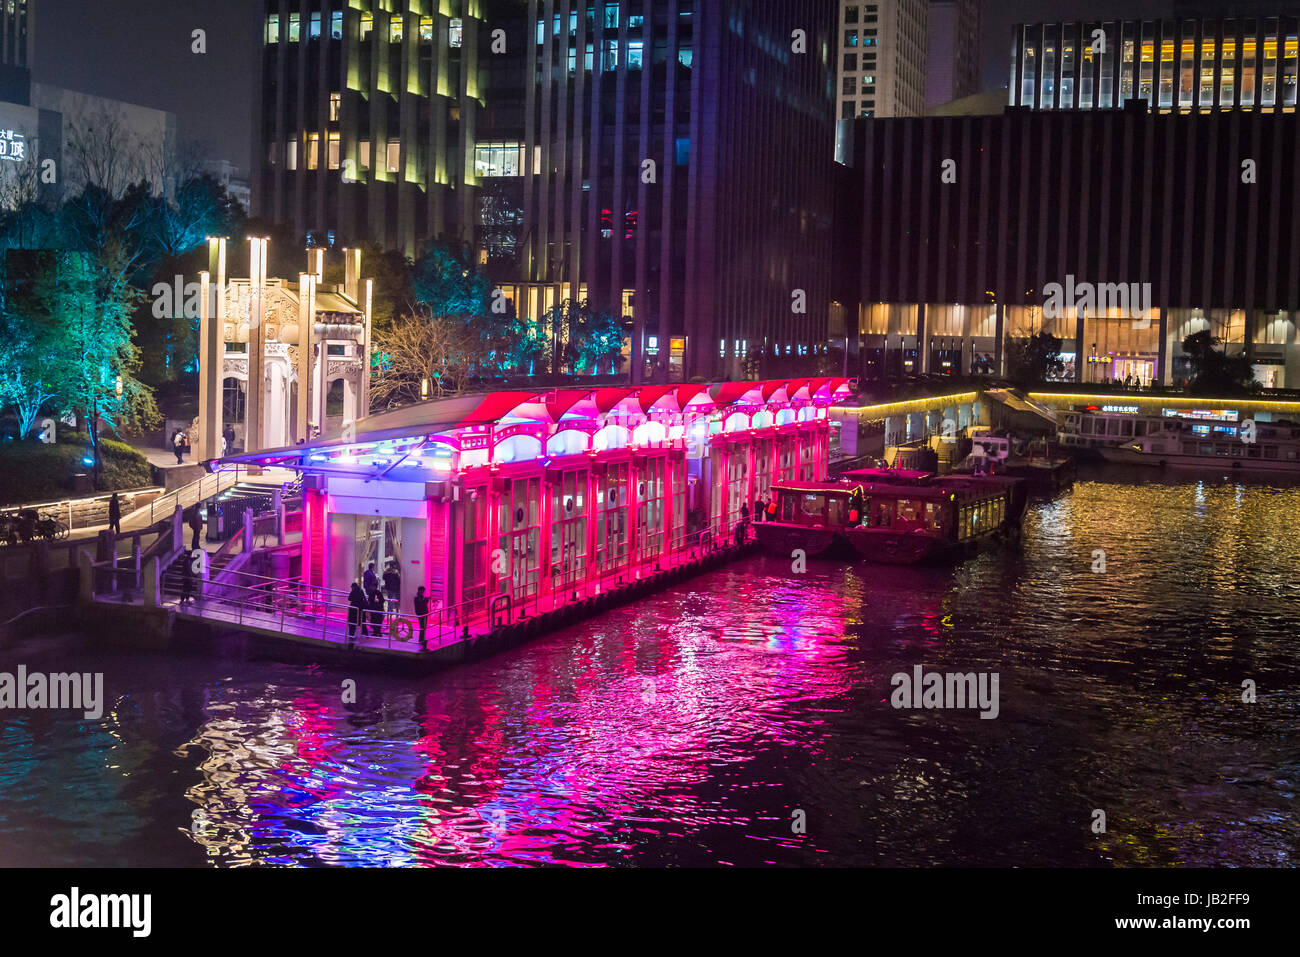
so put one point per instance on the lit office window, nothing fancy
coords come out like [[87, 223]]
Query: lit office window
[[336, 104], [273, 28], [363, 154], [291, 151], [610, 61], [336, 25], [426, 29], [850, 38], [367, 24], [683, 151], [456, 32], [394, 155], [1227, 76], [334, 151], [499, 159], [313, 31], [611, 16], [295, 28], [635, 52], [313, 150], [395, 30], [868, 84], [686, 56]]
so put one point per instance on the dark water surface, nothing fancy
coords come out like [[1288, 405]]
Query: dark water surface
[[697, 727]]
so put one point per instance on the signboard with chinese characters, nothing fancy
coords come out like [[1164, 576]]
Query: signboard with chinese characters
[[13, 146]]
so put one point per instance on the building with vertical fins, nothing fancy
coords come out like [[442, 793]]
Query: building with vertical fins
[[367, 120], [674, 166], [1176, 65]]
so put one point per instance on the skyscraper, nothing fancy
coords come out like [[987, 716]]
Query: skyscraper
[[367, 125], [671, 162]]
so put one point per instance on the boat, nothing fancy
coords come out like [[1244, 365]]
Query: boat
[[1044, 468], [894, 516], [1249, 446]]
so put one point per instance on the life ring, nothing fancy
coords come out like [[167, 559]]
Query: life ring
[[401, 629]]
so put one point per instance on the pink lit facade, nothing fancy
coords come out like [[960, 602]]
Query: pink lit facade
[[511, 501]]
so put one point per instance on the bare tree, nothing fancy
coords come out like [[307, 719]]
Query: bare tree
[[419, 348]]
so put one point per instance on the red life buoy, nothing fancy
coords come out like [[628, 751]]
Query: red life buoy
[[401, 629]]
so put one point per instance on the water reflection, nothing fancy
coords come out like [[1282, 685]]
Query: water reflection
[[689, 729]]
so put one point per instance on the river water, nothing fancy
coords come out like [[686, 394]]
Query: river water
[[742, 718]]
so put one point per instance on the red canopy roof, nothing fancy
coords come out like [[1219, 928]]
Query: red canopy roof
[[606, 399], [725, 393], [565, 399], [687, 392], [650, 394], [495, 405]]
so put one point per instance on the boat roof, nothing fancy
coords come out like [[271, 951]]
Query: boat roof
[[923, 485], [892, 476]]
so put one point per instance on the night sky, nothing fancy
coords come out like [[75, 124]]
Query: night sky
[[139, 51]]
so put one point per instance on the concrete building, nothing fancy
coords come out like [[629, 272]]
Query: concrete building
[[882, 57]]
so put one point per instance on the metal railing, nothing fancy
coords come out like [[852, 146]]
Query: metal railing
[[298, 608], [199, 490], [293, 608]]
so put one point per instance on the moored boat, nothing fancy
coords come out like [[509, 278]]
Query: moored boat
[[894, 516], [1259, 447]]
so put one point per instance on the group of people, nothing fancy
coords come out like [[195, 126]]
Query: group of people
[[368, 602], [760, 515]]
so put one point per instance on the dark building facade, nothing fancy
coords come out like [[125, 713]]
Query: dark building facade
[[953, 62], [368, 120], [1150, 227], [1177, 64], [676, 167]]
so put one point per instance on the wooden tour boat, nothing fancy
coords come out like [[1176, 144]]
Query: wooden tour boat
[[894, 516]]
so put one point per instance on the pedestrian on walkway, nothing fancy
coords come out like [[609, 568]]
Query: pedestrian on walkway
[[356, 608], [421, 604], [115, 515], [228, 436], [370, 581], [178, 446], [376, 612]]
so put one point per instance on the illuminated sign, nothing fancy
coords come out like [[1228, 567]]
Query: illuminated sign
[[13, 146], [1122, 409], [1213, 415]]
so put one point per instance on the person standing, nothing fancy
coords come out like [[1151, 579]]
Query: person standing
[[196, 526], [115, 514], [187, 579], [356, 608], [421, 604], [178, 446], [228, 436], [376, 612], [370, 581], [393, 587]]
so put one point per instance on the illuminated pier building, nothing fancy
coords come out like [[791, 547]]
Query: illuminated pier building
[[518, 501]]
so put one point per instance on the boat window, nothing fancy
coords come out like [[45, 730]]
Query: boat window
[[812, 509], [910, 514], [934, 515], [882, 515], [787, 507], [837, 510]]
